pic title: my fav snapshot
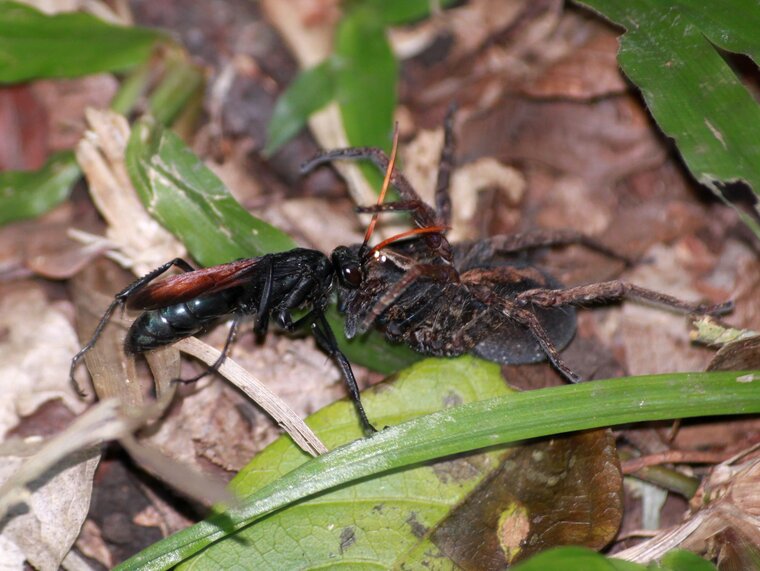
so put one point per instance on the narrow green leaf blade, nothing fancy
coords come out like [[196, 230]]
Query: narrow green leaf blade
[[35, 45], [366, 74], [470, 427], [311, 90], [182, 81], [27, 194], [191, 202], [574, 558]]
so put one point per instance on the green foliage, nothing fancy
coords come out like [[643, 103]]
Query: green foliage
[[34, 45], [365, 78], [26, 194], [671, 52], [682, 560], [361, 76], [368, 521], [190, 200], [311, 90], [399, 12], [465, 428], [575, 558]]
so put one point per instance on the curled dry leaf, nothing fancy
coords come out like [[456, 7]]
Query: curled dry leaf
[[55, 483], [54, 512], [113, 373], [726, 507], [743, 354], [44, 247], [36, 344], [142, 242]]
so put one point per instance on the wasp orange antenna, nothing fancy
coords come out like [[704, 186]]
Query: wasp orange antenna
[[384, 190], [414, 232]]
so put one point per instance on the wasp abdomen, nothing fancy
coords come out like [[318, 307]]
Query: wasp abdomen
[[159, 327]]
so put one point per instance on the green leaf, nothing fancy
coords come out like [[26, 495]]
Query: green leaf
[[376, 521], [510, 418], [682, 560], [573, 559], [182, 80], [366, 73], [311, 90], [27, 194], [191, 202], [692, 92], [733, 29], [396, 12], [35, 45]]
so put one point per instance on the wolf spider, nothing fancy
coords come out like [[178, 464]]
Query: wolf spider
[[446, 299]]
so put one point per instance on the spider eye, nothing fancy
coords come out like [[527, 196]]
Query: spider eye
[[352, 276]]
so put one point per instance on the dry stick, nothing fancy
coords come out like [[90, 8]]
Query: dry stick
[[674, 457], [259, 393]]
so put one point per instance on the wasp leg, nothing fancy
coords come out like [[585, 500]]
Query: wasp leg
[[214, 367], [265, 302], [614, 291], [296, 297], [119, 300], [326, 339]]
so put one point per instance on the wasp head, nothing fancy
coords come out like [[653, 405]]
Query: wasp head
[[347, 263]]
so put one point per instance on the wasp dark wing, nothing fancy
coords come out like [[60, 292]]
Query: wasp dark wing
[[183, 287]]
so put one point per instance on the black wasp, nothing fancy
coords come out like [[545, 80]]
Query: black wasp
[[268, 287]]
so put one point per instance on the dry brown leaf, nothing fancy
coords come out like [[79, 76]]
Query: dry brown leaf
[[54, 481], [43, 534], [421, 158], [37, 344], [655, 340], [66, 101], [582, 61], [728, 500]]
